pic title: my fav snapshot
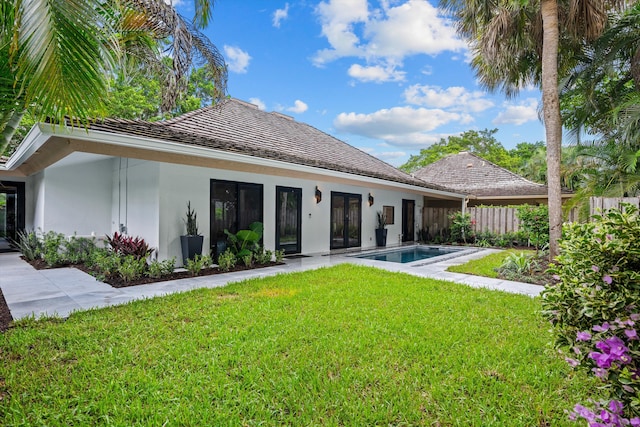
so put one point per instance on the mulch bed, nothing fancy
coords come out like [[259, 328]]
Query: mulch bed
[[5, 314], [117, 281]]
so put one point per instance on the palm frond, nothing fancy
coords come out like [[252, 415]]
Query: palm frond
[[63, 56]]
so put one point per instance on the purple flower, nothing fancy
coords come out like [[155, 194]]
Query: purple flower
[[556, 277], [635, 422], [595, 268], [609, 236], [600, 373], [583, 336], [615, 407], [607, 279], [613, 350], [635, 316], [604, 328], [585, 413], [631, 334], [572, 362]]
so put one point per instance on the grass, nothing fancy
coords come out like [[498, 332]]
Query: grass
[[338, 346], [485, 266]]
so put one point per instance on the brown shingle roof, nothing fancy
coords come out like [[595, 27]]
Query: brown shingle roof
[[470, 174], [239, 127]]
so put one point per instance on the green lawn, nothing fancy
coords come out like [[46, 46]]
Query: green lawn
[[485, 266], [340, 346]]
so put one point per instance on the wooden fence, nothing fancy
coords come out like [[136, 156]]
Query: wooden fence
[[498, 220], [504, 219], [598, 205]]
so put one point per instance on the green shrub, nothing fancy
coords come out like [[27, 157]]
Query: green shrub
[[227, 260], [534, 221], [263, 256], [195, 265], [77, 250], [248, 259], [594, 307], [460, 227], [131, 268], [516, 265], [51, 248], [158, 269], [279, 254], [104, 263], [30, 245], [245, 241]]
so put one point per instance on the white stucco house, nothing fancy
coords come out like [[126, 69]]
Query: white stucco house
[[233, 162]]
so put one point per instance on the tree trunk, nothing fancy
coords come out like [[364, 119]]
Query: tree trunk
[[552, 119], [8, 129]]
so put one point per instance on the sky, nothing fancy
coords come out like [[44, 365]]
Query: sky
[[389, 77]]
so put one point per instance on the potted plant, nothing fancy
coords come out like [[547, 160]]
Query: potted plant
[[381, 229], [192, 242]]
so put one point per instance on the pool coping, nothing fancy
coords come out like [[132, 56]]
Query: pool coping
[[454, 252]]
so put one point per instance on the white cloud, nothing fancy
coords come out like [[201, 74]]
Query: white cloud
[[388, 34], [280, 14], [257, 101], [390, 155], [237, 59], [518, 114], [298, 107], [455, 98], [398, 126], [376, 74]]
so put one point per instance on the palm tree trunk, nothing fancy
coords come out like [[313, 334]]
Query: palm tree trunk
[[8, 128], [552, 119]]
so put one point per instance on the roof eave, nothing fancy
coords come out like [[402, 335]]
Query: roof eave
[[40, 133]]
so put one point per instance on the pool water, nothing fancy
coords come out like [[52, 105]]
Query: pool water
[[409, 254]]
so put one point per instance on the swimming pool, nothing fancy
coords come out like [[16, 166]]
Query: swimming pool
[[409, 254]]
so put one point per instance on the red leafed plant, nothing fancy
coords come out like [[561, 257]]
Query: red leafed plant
[[127, 245]]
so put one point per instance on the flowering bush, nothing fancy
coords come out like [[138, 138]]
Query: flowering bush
[[595, 313]]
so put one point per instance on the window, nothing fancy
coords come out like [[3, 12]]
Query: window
[[388, 212]]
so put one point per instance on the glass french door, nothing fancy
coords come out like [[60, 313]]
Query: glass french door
[[346, 220], [234, 206], [289, 219], [12, 208], [408, 220]]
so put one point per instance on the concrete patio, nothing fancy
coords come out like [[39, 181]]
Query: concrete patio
[[59, 292]]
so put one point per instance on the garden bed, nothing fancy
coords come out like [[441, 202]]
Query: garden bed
[[118, 282]]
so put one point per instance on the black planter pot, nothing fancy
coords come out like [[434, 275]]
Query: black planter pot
[[381, 237], [191, 246]]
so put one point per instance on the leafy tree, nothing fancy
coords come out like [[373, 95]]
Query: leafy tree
[[517, 43], [602, 94], [482, 143], [56, 58]]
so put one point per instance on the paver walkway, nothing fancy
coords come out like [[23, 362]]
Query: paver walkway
[[31, 292]]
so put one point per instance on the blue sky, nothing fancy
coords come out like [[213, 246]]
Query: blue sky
[[389, 77]]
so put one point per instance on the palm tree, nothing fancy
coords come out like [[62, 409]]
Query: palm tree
[[56, 57], [518, 43]]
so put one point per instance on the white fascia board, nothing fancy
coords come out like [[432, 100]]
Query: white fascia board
[[36, 137]]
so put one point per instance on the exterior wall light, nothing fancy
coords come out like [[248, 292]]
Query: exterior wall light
[[318, 195], [370, 199]]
